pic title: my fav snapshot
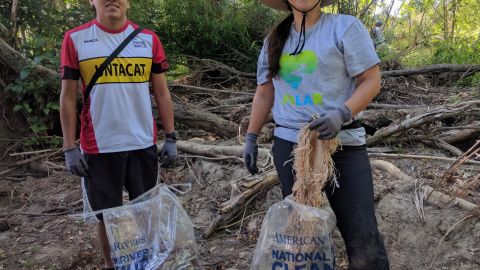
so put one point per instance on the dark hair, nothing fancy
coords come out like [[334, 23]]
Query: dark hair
[[276, 42]]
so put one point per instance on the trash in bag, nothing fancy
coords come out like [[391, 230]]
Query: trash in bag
[[297, 232], [152, 232], [295, 236]]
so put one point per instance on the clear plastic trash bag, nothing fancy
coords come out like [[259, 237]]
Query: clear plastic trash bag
[[295, 236], [151, 232]]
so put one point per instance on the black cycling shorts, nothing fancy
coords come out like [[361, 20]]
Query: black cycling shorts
[[135, 170]]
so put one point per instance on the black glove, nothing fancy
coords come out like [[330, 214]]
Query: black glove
[[75, 162], [168, 155], [330, 123], [250, 153]]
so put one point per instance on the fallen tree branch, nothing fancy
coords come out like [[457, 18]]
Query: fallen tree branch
[[15, 61], [438, 198], [220, 219], [420, 120], [443, 145], [471, 162], [391, 169], [269, 180], [439, 68], [196, 118], [475, 149], [433, 196], [449, 136], [215, 150], [231, 207], [394, 106], [174, 86], [220, 66], [217, 158]]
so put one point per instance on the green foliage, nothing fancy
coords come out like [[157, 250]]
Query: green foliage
[[433, 32], [41, 25], [34, 98], [228, 31], [460, 52], [43, 142]]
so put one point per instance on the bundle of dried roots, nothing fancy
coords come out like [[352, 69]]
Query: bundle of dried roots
[[314, 167]]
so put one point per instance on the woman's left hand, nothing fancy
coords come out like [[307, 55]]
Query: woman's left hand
[[330, 123]]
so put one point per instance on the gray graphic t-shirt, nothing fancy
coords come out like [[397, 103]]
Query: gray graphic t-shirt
[[337, 48]]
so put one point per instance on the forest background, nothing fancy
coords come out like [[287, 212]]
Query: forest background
[[417, 33]]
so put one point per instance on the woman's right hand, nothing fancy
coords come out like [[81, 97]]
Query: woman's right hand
[[250, 153]]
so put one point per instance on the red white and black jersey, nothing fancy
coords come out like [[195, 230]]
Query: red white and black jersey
[[118, 116]]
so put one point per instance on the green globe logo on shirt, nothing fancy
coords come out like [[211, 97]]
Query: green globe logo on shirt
[[294, 67]]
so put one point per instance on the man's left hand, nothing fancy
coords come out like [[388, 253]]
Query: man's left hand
[[168, 155]]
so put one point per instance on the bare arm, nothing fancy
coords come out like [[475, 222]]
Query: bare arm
[[164, 101], [262, 104], [368, 87], [68, 112]]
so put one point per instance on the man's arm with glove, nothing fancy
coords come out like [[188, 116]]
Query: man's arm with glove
[[74, 159], [168, 154]]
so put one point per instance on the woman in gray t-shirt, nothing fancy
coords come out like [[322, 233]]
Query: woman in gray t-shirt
[[314, 63]]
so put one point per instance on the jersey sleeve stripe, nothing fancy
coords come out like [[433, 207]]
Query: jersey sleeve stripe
[[69, 73]]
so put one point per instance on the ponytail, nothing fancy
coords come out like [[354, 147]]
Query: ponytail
[[276, 42]]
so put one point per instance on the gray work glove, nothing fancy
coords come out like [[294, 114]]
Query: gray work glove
[[330, 122], [250, 153], [168, 155], [75, 162]]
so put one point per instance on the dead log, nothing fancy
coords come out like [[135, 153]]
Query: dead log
[[233, 206], [422, 119], [235, 101], [15, 62], [175, 86], [13, 18], [470, 162], [453, 136], [474, 151], [391, 169], [210, 64], [439, 68], [438, 198], [394, 106], [433, 196], [196, 118], [445, 146], [269, 180], [215, 150], [450, 136]]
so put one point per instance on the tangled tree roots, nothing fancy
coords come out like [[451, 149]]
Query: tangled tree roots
[[314, 166]]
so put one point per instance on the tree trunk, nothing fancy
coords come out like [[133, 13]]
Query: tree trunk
[[13, 19], [15, 62]]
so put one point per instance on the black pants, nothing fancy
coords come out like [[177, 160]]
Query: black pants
[[352, 202], [135, 170]]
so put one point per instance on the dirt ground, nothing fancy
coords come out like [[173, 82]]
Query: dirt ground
[[41, 237], [36, 231]]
